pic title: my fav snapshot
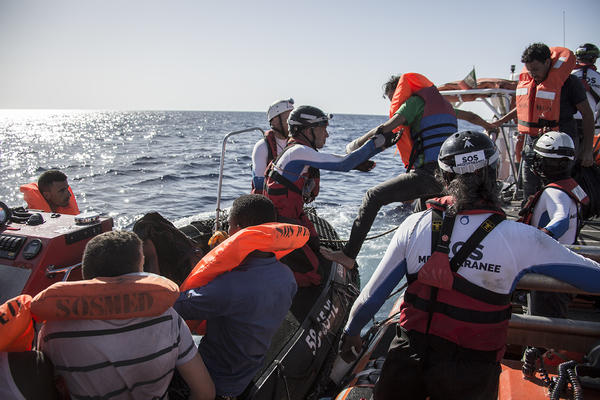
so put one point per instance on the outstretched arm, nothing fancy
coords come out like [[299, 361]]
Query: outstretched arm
[[477, 120], [587, 122], [386, 127], [512, 114]]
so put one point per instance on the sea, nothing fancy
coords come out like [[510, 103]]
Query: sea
[[126, 163]]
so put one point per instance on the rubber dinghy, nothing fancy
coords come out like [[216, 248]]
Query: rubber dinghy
[[302, 352]]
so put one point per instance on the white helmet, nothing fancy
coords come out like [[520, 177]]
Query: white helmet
[[555, 145], [279, 107]]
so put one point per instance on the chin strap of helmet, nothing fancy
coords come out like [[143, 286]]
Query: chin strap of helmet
[[311, 142]]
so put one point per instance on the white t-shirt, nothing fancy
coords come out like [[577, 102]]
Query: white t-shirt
[[556, 211], [498, 262], [593, 80], [260, 154]]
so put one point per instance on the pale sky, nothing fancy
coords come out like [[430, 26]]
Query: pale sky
[[242, 55]]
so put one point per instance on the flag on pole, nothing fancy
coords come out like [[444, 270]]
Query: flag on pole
[[470, 81]]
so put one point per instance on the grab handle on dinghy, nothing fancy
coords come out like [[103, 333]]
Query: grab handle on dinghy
[[52, 270], [222, 163]]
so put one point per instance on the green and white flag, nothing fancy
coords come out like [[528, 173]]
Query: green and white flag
[[470, 81]]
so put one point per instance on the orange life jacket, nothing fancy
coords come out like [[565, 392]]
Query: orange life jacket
[[16, 326], [408, 84], [120, 297], [36, 201], [538, 106], [273, 237]]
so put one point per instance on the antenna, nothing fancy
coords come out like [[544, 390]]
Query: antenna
[[564, 29]]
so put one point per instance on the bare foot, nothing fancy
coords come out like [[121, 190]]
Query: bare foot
[[339, 257]]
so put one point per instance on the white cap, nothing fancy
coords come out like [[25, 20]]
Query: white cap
[[279, 107]]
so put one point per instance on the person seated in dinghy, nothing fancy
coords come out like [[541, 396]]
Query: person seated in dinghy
[[131, 358], [462, 259], [51, 193], [275, 140], [293, 178], [555, 209], [244, 307]]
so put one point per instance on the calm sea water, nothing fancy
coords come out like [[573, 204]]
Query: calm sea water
[[125, 164]]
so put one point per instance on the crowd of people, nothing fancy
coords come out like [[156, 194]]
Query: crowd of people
[[454, 319]]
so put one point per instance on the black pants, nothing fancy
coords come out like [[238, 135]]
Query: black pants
[[411, 185], [418, 366]]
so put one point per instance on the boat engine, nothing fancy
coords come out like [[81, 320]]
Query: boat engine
[[40, 248]]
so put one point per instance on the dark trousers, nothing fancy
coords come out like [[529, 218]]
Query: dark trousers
[[404, 187], [418, 366]]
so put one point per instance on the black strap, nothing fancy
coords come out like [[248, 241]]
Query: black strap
[[542, 123], [282, 181], [477, 237]]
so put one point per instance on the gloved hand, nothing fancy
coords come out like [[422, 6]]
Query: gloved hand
[[386, 139], [365, 166], [217, 238], [351, 347]]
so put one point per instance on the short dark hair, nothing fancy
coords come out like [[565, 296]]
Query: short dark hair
[[536, 52], [391, 84], [252, 209], [111, 253], [48, 178]]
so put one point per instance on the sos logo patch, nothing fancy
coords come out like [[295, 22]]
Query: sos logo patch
[[469, 158]]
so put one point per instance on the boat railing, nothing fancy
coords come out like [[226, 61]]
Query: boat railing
[[221, 167], [578, 335], [53, 270]]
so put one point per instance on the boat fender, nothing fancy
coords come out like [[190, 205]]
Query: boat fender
[[121, 297], [16, 325], [36, 201]]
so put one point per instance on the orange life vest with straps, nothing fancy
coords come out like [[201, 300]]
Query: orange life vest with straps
[[272, 237], [16, 325], [36, 201], [120, 297], [408, 84], [538, 105]]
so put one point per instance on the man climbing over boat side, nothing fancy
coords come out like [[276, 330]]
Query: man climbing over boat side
[[462, 259], [293, 178], [547, 97], [51, 193], [243, 308], [419, 111], [275, 140], [123, 358], [555, 209], [585, 70]]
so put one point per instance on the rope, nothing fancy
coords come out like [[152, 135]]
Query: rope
[[367, 238]]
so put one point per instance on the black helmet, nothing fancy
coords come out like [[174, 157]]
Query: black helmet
[[554, 156], [467, 151], [587, 52], [307, 116]]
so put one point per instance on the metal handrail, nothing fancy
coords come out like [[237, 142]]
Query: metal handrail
[[52, 270], [222, 163]]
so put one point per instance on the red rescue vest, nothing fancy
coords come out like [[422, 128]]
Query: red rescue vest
[[538, 105], [289, 196], [36, 201], [440, 302], [271, 142], [569, 186]]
